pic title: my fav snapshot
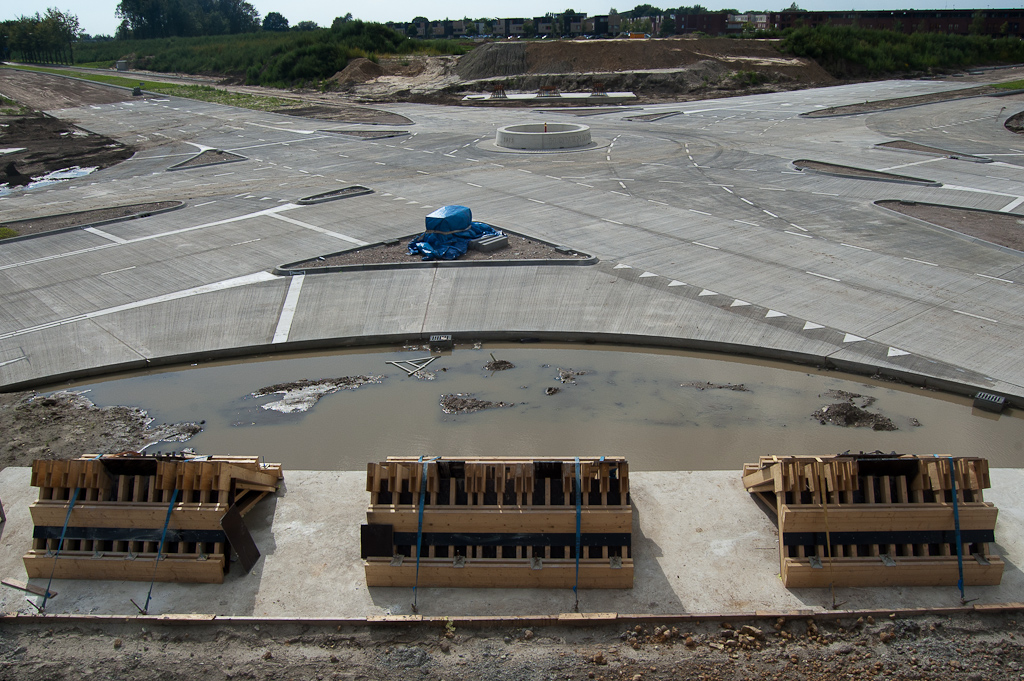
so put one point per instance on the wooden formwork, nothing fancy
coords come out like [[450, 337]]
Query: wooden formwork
[[499, 522], [879, 520], [121, 504]]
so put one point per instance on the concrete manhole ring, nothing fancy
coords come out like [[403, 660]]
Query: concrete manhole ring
[[543, 136]]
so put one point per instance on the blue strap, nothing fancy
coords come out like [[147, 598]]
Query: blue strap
[[419, 530], [579, 511], [956, 522], [159, 550], [60, 544]]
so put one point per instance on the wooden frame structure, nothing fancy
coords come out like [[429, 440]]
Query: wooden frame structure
[[498, 522], [105, 517], [879, 520]]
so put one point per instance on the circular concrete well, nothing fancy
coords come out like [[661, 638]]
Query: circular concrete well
[[543, 136]]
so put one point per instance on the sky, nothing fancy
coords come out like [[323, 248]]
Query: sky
[[96, 17]]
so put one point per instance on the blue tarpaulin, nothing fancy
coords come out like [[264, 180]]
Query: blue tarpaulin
[[449, 231]]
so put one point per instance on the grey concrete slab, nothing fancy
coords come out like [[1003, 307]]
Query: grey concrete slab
[[700, 545]]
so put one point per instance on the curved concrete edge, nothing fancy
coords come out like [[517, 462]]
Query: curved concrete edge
[[939, 153], [289, 269], [180, 166], [811, 114], [98, 223], [897, 179], [953, 232], [383, 135], [333, 195], [490, 145], [822, 362], [469, 621]]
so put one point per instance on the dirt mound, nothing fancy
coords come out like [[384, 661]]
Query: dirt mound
[[359, 70], [606, 56], [852, 416]]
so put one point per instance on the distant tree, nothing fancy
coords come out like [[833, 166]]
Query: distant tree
[[977, 24], [529, 29], [341, 21], [275, 21], [166, 18], [794, 8], [644, 11], [305, 26]]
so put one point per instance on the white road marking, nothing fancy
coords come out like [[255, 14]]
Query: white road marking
[[923, 262], [614, 222], [1005, 281], [648, 274], [694, 210], [896, 352], [622, 266], [768, 212], [707, 292], [775, 313], [752, 224], [728, 190], [675, 282], [321, 230], [12, 361], [291, 301], [915, 163], [806, 236], [123, 269], [105, 235], [823, 276], [478, 186], [810, 326], [739, 303], [859, 248], [535, 200], [976, 316], [747, 201], [850, 338], [1012, 204], [697, 243], [244, 280]]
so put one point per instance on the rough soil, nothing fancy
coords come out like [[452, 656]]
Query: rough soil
[[850, 171], [67, 425], [962, 647], [851, 416], [86, 217], [1004, 229], [1015, 123], [888, 104], [519, 248]]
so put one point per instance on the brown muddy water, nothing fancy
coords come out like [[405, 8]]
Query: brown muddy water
[[633, 402]]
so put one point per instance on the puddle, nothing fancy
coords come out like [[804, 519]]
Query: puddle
[[645, 404]]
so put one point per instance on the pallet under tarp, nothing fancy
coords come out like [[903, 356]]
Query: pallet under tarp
[[110, 517], [879, 519], [499, 522]]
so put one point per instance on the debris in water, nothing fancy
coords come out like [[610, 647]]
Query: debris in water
[[850, 415], [551, 390], [499, 364], [465, 403], [569, 376], [701, 385], [866, 400], [302, 395]]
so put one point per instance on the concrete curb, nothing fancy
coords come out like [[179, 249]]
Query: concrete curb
[[953, 232], [945, 153], [98, 223], [897, 179], [822, 362], [810, 114]]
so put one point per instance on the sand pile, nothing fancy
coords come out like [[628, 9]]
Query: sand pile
[[359, 70]]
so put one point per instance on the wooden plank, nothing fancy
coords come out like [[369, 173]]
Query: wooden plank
[[908, 571], [172, 568], [886, 517], [493, 573], [30, 588], [505, 519], [127, 515]]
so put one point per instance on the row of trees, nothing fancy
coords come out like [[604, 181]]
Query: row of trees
[[43, 37], [185, 18]]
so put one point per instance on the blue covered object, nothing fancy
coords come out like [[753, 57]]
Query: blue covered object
[[449, 231]]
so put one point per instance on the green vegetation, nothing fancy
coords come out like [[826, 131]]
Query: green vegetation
[[46, 37], [9, 107], [165, 18], [271, 58], [1012, 85], [202, 93], [7, 233], [848, 52]]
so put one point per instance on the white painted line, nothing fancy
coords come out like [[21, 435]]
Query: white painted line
[[707, 292], [478, 186], [241, 243], [769, 213], [774, 313], [850, 338], [585, 185], [739, 303], [915, 163], [321, 230], [535, 200], [523, 170], [824, 194], [1005, 281], [123, 269], [697, 243], [422, 172], [619, 193], [207, 203], [552, 177], [622, 185], [694, 210], [747, 201], [622, 266], [810, 326], [105, 235], [752, 224], [896, 352], [12, 361], [676, 283], [291, 301], [1012, 204], [923, 262], [657, 202], [859, 248], [976, 316], [806, 236], [648, 274], [728, 190], [244, 280], [815, 274]]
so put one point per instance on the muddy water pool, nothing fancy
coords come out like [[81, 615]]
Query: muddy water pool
[[636, 402]]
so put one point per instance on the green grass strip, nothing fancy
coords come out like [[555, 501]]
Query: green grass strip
[[1012, 85], [203, 93]]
